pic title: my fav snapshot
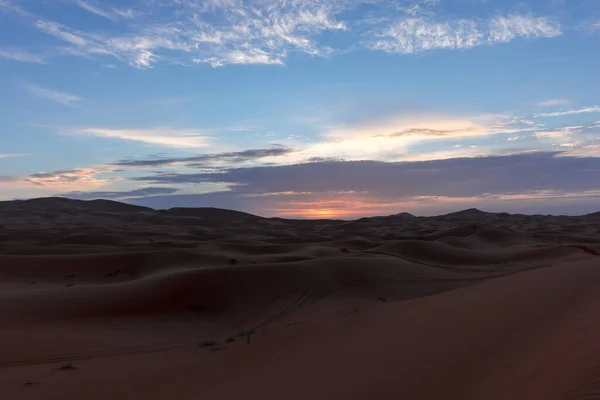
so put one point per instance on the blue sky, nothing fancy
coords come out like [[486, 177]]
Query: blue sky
[[303, 108]]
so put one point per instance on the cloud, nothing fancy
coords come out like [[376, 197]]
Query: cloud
[[422, 125], [75, 179], [22, 56], [563, 132], [575, 140], [224, 32], [127, 13], [450, 177], [416, 35], [61, 32], [8, 6], [593, 109], [349, 189], [208, 160], [63, 98], [546, 180], [590, 27], [144, 192], [554, 102], [94, 10], [9, 155], [45, 184], [112, 14], [503, 29], [392, 138], [172, 137], [50, 183], [138, 51], [207, 33], [428, 132]]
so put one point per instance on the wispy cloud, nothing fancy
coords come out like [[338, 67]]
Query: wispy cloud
[[573, 140], [502, 29], [172, 137], [593, 109], [554, 102], [113, 14], [126, 13], [62, 32], [590, 27], [131, 194], [209, 160], [69, 180], [562, 135], [210, 33], [10, 155], [415, 35], [428, 132], [94, 10], [9, 6], [64, 98], [223, 32], [21, 55]]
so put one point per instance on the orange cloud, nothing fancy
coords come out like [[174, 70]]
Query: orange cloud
[[50, 183]]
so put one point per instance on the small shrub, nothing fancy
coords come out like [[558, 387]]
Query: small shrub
[[67, 367], [247, 334]]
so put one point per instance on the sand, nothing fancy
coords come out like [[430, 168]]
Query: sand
[[105, 300]]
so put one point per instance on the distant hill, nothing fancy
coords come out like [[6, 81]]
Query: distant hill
[[208, 212], [216, 216], [403, 215], [469, 213], [211, 216], [60, 204]]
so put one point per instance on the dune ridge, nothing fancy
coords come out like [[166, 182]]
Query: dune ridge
[[218, 304]]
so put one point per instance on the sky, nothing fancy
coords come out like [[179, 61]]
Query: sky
[[302, 108]]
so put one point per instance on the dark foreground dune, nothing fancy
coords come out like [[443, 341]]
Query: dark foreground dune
[[105, 300]]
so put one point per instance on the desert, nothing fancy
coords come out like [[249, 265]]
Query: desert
[[101, 299]]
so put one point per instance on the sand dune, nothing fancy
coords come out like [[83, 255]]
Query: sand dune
[[102, 299]]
